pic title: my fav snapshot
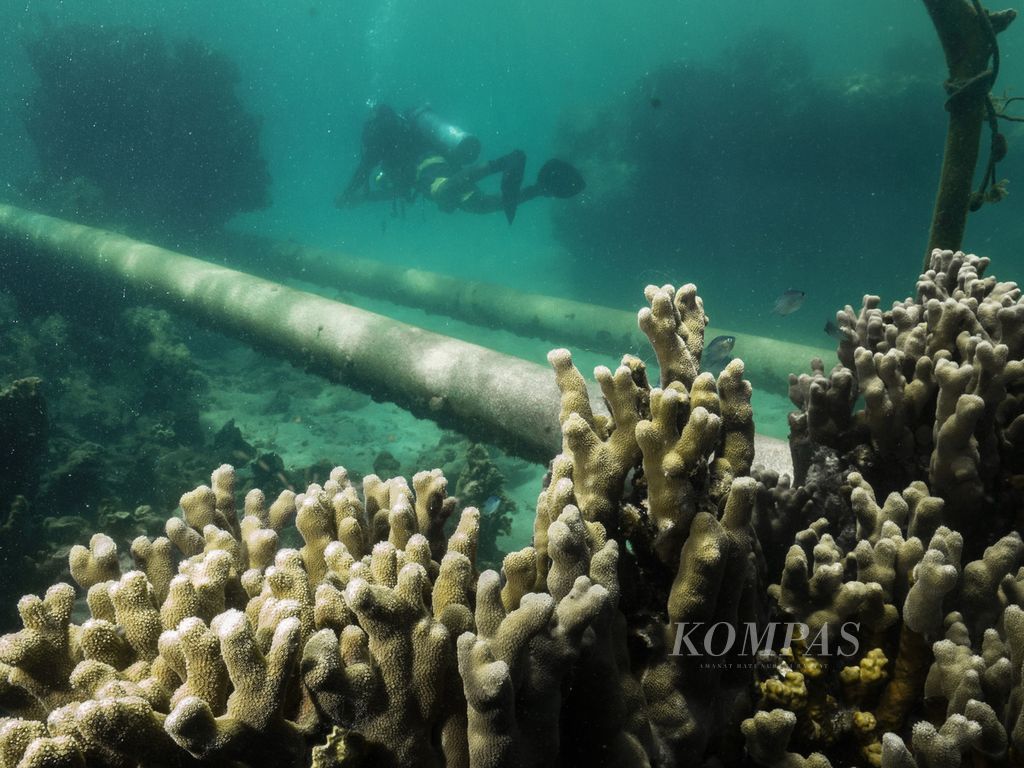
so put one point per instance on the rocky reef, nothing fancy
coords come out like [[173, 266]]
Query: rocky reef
[[672, 161], [131, 128], [629, 632]]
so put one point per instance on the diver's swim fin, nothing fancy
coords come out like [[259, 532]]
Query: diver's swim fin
[[558, 178], [512, 182]]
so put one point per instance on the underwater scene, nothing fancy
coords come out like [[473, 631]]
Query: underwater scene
[[389, 383]]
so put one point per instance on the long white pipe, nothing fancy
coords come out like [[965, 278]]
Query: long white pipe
[[474, 390]]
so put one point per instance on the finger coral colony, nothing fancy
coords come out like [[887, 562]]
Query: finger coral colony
[[892, 562]]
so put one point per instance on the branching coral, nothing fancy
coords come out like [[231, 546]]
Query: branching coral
[[378, 642], [942, 381], [248, 656], [901, 594], [920, 546], [378, 638]]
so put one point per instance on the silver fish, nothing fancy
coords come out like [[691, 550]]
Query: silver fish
[[718, 352], [789, 302], [491, 505], [834, 331]]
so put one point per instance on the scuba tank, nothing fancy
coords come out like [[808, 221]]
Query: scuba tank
[[454, 143]]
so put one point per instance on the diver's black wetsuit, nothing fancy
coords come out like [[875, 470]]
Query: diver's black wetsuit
[[393, 145], [409, 165]]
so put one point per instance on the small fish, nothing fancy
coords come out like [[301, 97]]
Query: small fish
[[491, 505], [789, 302], [717, 353], [834, 331], [655, 102]]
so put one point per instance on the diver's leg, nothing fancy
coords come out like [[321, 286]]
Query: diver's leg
[[466, 177], [530, 192], [556, 179], [484, 203], [481, 202], [461, 186], [512, 162]]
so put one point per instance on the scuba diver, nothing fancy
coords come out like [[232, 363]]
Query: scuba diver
[[418, 153]]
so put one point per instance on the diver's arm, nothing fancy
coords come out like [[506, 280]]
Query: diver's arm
[[358, 188]]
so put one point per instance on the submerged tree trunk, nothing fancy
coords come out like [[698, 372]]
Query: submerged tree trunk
[[967, 43]]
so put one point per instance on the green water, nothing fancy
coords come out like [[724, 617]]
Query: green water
[[749, 148]]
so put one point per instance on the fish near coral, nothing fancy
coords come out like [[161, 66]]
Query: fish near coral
[[833, 330], [718, 352]]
